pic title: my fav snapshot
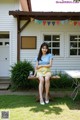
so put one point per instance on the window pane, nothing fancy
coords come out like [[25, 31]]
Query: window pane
[[55, 51], [50, 50], [49, 44], [56, 38], [79, 37], [1, 43], [73, 52], [73, 44], [47, 37], [7, 43], [4, 35], [79, 52], [56, 44], [73, 38], [79, 44]]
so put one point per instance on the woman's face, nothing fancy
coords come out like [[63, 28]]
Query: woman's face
[[44, 50]]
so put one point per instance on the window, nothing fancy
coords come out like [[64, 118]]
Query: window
[[6, 43], [1, 43], [28, 42], [54, 43], [75, 45], [4, 35]]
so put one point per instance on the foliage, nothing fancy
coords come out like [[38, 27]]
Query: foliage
[[19, 75], [64, 82]]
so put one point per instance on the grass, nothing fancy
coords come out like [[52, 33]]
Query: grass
[[23, 107]]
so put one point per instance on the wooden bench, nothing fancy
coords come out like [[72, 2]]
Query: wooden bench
[[56, 77], [36, 78]]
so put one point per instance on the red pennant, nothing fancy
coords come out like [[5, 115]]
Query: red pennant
[[44, 22], [79, 23], [58, 22], [75, 23]]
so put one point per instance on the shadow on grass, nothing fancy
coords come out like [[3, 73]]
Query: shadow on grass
[[18, 101]]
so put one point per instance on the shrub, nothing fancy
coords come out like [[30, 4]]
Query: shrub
[[64, 82], [19, 75]]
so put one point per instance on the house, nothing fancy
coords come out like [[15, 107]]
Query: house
[[22, 31]]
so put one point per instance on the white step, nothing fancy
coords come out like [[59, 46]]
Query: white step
[[4, 86]]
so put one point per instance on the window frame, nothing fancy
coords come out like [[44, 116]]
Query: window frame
[[74, 47], [67, 42], [61, 41]]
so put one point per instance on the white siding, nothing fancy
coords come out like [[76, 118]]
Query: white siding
[[8, 23], [62, 62]]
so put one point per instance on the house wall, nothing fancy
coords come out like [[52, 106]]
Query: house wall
[[8, 24], [60, 63]]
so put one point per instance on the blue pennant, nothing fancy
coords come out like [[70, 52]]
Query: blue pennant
[[53, 23], [49, 22]]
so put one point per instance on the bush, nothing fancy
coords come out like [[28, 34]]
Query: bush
[[64, 82], [19, 75]]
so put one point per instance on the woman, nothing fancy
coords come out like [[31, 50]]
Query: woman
[[42, 71]]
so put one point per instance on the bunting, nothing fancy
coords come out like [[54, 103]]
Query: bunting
[[56, 22], [44, 22]]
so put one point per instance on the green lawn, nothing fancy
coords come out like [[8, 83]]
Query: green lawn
[[23, 107]]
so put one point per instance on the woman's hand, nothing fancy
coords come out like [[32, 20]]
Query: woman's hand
[[39, 66]]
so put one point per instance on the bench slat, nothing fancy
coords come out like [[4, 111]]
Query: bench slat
[[34, 78]]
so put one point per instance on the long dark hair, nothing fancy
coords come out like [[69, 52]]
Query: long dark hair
[[40, 51]]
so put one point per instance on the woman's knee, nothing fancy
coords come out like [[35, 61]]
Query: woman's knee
[[41, 79], [47, 79]]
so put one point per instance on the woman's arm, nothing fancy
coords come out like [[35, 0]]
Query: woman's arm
[[48, 65], [36, 67]]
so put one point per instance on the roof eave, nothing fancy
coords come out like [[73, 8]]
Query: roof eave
[[46, 15]]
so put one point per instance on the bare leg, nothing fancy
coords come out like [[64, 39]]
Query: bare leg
[[47, 86], [41, 84]]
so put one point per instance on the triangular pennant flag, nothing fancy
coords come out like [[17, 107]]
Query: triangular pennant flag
[[75, 23], [57, 22], [70, 22], [53, 23], [36, 21], [62, 22], [48, 22], [39, 21], [65, 21], [44, 22], [78, 23]]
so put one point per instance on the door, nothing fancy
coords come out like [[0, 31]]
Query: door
[[4, 57]]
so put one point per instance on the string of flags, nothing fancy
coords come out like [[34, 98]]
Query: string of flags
[[56, 22]]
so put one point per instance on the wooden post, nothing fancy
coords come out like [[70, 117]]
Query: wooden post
[[18, 39]]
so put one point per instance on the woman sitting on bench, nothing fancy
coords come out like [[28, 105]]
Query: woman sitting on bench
[[43, 72]]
